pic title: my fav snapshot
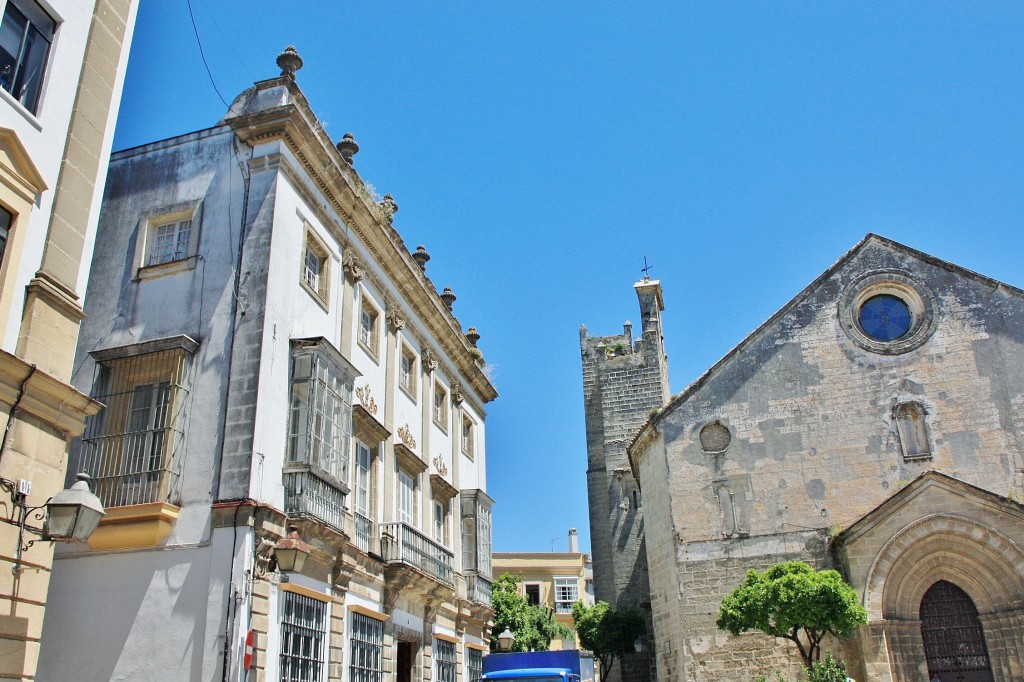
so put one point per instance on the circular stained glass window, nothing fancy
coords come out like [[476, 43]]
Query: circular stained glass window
[[885, 317]]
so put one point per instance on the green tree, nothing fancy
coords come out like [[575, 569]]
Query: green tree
[[793, 601], [533, 626], [607, 632]]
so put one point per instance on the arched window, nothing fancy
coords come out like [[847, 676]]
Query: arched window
[[913, 431]]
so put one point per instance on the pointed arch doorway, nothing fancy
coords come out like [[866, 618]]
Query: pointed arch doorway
[[954, 643]]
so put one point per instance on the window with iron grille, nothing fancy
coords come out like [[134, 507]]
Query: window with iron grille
[[130, 448], [321, 410], [474, 665], [303, 635], [25, 36], [444, 660], [567, 593], [367, 648]]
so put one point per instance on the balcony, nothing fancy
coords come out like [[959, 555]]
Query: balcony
[[306, 494], [478, 589], [401, 543]]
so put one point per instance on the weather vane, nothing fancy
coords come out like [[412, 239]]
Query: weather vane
[[646, 269]]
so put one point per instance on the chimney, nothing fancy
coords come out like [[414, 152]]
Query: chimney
[[574, 541]]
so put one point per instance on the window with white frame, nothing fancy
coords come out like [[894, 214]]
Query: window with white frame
[[444, 660], [468, 428], [474, 665], [476, 531], [366, 649], [26, 33], [321, 409], [369, 333], [567, 593], [407, 371], [169, 241], [130, 448], [440, 521], [303, 637], [363, 500], [406, 498], [441, 406], [315, 267]]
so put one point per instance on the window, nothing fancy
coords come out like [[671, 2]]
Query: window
[[6, 218], [407, 371], [363, 514], [368, 326], [440, 516], [532, 593], [130, 447], [444, 660], [406, 498], [474, 665], [315, 264], [440, 406], [321, 409], [169, 241], [476, 531], [467, 436], [303, 631], [567, 593], [367, 649], [913, 431], [25, 36]]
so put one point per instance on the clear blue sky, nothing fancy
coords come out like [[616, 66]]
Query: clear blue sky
[[541, 149]]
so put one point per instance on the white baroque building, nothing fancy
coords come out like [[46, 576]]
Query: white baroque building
[[271, 355]]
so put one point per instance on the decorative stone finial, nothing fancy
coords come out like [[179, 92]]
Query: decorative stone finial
[[448, 297], [389, 207], [472, 336], [348, 147], [421, 257], [289, 61]]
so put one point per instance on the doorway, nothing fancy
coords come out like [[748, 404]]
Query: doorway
[[954, 643], [404, 662]]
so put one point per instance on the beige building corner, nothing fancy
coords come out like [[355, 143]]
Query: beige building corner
[[57, 111]]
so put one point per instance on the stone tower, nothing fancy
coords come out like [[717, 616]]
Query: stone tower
[[623, 381]]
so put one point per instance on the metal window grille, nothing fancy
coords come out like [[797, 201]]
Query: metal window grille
[[170, 242], [474, 665], [303, 632], [130, 447], [567, 593], [444, 660], [367, 649], [25, 36]]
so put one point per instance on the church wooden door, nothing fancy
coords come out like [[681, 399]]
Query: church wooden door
[[954, 643]]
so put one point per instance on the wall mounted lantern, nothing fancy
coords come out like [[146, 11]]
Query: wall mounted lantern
[[70, 516], [505, 640], [290, 552]]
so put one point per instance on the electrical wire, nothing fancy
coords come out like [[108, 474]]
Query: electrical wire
[[203, 55]]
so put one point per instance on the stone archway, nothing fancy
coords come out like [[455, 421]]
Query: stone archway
[[983, 563]]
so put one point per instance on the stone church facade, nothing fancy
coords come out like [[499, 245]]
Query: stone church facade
[[872, 425]]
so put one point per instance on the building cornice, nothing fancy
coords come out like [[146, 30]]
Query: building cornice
[[45, 398], [293, 124]]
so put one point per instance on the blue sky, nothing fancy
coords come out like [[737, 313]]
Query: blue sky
[[540, 150]]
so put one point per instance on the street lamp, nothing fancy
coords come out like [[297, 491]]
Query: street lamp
[[290, 552], [505, 640], [638, 644]]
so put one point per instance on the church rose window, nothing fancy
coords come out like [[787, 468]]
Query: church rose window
[[885, 317], [887, 312]]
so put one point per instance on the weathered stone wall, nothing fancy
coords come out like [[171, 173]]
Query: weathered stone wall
[[814, 444]]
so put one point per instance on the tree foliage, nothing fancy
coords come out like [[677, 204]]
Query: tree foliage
[[607, 632], [793, 601], [533, 626]]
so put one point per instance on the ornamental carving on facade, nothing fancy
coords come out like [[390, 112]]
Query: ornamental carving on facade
[[405, 435], [440, 466], [394, 316], [457, 393], [354, 270], [429, 359], [366, 399]]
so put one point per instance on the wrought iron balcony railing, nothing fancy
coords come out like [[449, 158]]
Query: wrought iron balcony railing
[[478, 589], [306, 494], [364, 531], [402, 543]]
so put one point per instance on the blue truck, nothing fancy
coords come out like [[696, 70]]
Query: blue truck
[[540, 666]]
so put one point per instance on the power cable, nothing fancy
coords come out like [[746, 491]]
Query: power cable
[[203, 55]]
